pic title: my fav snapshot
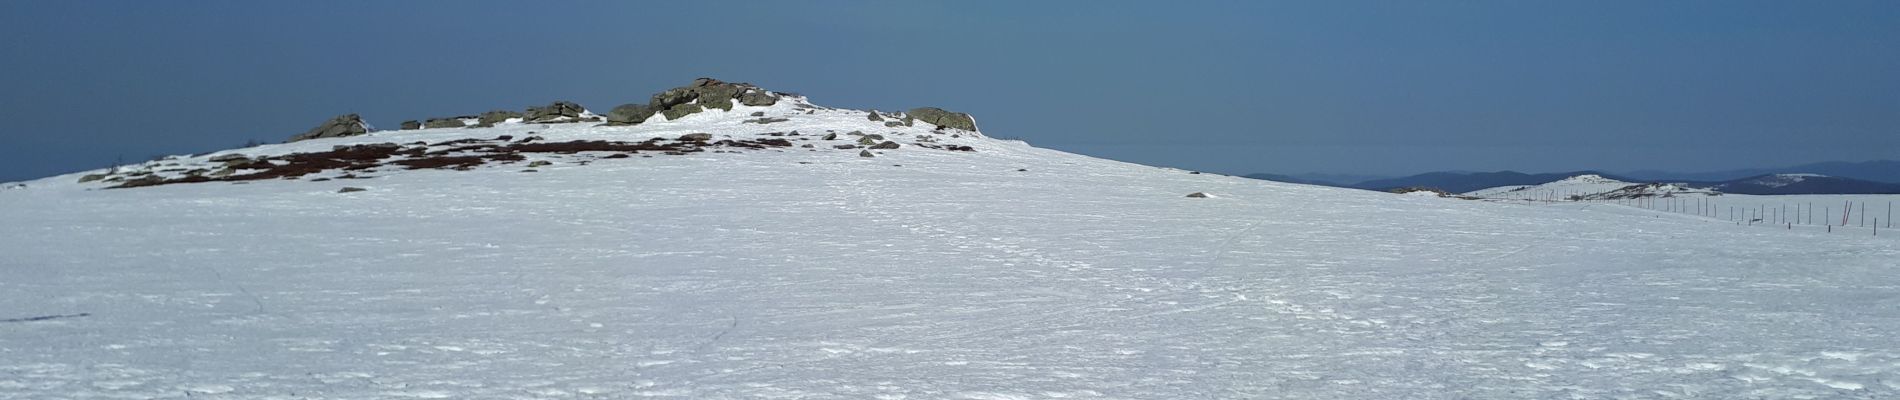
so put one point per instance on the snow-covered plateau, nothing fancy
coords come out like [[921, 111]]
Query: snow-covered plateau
[[1002, 272]]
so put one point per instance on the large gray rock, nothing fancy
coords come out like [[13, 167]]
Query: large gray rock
[[681, 111], [942, 118], [451, 122], [630, 114], [494, 117], [411, 125], [341, 126], [560, 111], [757, 97]]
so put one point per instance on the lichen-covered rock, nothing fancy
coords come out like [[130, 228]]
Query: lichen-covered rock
[[757, 97], [706, 93], [676, 112], [874, 117], [453, 122], [341, 126], [867, 141], [411, 125], [887, 145], [494, 117], [559, 111], [630, 114], [942, 118]]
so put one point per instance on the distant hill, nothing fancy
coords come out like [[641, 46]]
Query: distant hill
[[1461, 182], [1803, 184], [1887, 171], [1589, 187]]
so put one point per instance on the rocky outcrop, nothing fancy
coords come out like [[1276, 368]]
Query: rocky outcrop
[[411, 125], [341, 126], [630, 114], [559, 111], [942, 118], [451, 122], [706, 93], [495, 117]]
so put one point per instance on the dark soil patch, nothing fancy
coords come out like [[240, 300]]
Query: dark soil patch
[[460, 154]]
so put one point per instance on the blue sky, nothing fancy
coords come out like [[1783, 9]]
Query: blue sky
[[1384, 87]]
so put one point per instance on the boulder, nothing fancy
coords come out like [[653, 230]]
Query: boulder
[[676, 112], [559, 111], [350, 190], [696, 137], [341, 126], [874, 117], [885, 146], [92, 177], [1197, 195], [867, 141], [757, 97], [942, 118], [830, 136], [411, 125], [865, 153], [493, 117], [434, 123], [630, 114]]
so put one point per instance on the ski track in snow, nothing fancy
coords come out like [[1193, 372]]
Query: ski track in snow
[[801, 274]]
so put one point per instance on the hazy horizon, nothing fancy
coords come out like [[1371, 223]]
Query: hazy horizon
[[1363, 88]]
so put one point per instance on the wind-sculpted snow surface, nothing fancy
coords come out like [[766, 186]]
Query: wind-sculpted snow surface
[[1008, 272]]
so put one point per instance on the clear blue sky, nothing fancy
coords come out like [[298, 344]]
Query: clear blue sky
[[1386, 87]]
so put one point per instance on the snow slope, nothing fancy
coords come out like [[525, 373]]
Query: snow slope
[[1010, 272]]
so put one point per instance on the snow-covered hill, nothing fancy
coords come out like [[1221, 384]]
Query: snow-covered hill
[[1588, 187], [996, 271]]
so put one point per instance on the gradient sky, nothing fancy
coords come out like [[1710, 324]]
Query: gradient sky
[[1387, 87]]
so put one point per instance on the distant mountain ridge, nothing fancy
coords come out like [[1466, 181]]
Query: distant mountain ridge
[[1886, 171], [1803, 184], [1466, 182], [1461, 182], [1838, 177]]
